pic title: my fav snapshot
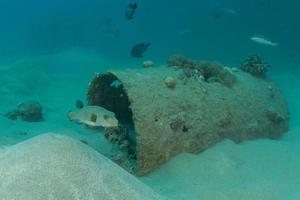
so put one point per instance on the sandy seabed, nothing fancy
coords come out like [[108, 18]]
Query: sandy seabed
[[260, 169]]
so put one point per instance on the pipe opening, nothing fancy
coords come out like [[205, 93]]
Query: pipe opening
[[107, 91]]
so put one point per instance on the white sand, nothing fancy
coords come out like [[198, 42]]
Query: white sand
[[57, 167], [260, 169]]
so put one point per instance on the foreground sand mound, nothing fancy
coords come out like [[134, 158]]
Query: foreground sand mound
[[52, 166]]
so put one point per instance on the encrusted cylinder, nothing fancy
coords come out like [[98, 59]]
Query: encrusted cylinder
[[190, 116]]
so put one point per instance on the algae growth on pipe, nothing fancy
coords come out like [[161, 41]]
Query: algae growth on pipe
[[190, 116]]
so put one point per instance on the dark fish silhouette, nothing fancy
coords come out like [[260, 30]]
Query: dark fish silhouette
[[138, 50], [130, 11]]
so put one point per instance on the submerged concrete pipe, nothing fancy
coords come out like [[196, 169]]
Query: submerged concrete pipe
[[191, 115]]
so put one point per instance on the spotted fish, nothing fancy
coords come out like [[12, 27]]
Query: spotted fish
[[94, 116]]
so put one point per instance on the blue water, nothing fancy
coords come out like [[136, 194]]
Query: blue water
[[38, 27], [67, 41]]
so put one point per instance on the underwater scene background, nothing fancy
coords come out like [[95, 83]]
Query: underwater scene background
[[50, 51]]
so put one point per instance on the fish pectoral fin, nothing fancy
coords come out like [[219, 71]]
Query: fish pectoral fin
[[70, 115]]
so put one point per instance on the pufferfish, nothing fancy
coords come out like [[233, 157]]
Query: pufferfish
[[94, 116]]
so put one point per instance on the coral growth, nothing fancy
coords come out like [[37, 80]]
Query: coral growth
[[274, 116], [116, 135], [170, 82], [255, 65], [203, 70], [124, 154], [30, 111]]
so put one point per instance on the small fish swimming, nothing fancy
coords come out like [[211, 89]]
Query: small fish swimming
[[130, 11], [264, 41], [229, 11], [138, 50]]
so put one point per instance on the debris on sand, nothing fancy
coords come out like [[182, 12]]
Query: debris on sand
[[30, 111]]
